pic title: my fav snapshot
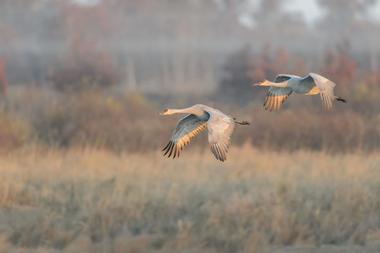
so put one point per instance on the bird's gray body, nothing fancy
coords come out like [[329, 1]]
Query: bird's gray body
[[301, 85]]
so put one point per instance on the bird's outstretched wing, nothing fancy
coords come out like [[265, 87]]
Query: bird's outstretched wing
[[326, 88], [187, 128], [276, 97], [220, 128]]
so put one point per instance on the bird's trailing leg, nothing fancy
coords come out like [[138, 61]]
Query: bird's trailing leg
[[244, 122], [340, 99]]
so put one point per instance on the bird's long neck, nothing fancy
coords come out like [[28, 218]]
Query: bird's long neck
[[188, 110], [279, 85], [175, 111]]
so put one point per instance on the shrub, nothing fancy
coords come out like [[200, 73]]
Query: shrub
[[13, 132], [95, 119]]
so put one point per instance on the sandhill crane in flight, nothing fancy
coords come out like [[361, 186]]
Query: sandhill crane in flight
[[312, 84], [220, 127]]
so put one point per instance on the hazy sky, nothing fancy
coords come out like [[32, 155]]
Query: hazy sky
[[309, 8], [312, 11], [86, 2]]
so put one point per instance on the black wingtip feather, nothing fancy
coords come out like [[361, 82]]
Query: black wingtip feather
[[171, 149], [175, 152], [168, 148], [167, 145]]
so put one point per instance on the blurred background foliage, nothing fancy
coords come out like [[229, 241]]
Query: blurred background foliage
[[96, 73]]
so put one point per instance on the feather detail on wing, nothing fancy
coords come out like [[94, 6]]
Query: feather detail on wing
[[283, 77], [326, 90], [276, 97], [187, 128], [220, 128]]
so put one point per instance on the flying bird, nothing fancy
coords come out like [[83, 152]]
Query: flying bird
[[312, 84], [219, 125]]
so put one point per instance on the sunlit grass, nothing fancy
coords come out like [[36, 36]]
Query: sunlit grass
[[95, 201]]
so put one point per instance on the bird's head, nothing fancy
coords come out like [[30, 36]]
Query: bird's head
[[262, 83], [165, 112]]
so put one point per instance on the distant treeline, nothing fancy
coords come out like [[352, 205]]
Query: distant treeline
[[177, 46]]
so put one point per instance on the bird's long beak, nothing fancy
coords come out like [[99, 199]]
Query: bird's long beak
[[262, 83]]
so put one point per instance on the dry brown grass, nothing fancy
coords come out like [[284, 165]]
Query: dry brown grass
[[96, 201]]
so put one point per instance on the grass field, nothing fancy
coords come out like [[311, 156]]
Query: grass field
[[258, 201]]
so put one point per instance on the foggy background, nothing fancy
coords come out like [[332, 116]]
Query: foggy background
[[81, 87], [65, 63]]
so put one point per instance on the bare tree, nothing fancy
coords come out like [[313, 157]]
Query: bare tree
[[344, 16], [275, 25]]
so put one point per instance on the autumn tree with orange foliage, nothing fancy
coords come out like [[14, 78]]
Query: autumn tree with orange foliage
[[340, 66]]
